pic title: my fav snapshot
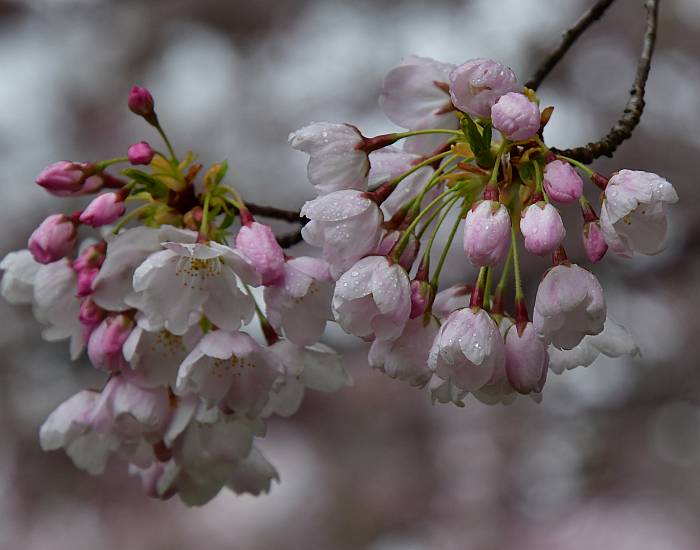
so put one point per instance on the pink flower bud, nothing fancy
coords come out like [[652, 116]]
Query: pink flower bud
[[106, 341], [478, 83], [103, 209], [258, 243], [486, 233], [65, 179], [53, 239], [140, 153], [526, 359], [141, 102], [420, 296], [542, 228], [561, 182], [90, 316], [515, 116], [408, 256], [91, 256], [85, 278], [594, 241]]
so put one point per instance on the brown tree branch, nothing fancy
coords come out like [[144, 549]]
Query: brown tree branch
[[291, 216], [568, 38], [632, 114]]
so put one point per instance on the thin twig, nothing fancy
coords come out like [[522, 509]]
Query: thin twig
[[289, 239], [632, 114], [568, 38], [291, 216]]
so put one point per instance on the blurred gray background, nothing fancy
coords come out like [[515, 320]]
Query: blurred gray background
[[610, 459]]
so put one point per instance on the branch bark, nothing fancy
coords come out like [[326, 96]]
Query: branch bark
[[568, 38], [634, 108]]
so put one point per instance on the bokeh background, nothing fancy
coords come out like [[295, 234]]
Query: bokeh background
[[610, 458]]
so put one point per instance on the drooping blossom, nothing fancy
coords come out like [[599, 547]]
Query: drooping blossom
[[346, 224], [406, 357], [633, 217], [569, 305], [258, 243], [526, 359], [337, 160], [53, 239], [373, 299], [467, 349]]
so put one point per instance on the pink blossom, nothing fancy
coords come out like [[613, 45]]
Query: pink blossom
[[204, 277], [140, 153], [478, 83], [633, 217], [347, 224], [373, 299], [337, 158], [67, 179], [406, 357], [231, 369], [90, 256], [468, 349], [121, 420], [542, 228], [561, 182], [486, 233], [569, 305], [415, 96], [420, 297], [104, 209], [53, 239], [594, 241], [299, 304], [259, 244], [515, 116], [106, 341], [526, 359]]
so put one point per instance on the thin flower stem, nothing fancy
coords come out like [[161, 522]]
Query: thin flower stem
[[167, 142], [441, 262], [447, 206], [420, 165], [204, 227], [401, 245], [578, 164], [434, 215], [130, 216], [487, 288], [402, 135], [506, 269], [519, 294], [106, 163], [494, 173], [539, 188]]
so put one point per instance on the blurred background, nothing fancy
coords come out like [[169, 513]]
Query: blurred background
[[609, 459]]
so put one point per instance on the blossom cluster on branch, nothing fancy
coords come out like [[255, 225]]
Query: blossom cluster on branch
[[163, 295]]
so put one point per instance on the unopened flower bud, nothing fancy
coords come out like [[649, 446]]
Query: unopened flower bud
[[486, 233], [515, 116], [53, 239], [103, 210], [259, 244], [526, 359], [594, 241], [409, 254], [542, 228], [65, 179], [90, 316], [420, 297], [91, 256], [141, 103], [85, 278], [140, 153], [478, 83], [106, 341], [561, 182]]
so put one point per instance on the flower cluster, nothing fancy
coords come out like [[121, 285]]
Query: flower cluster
[[161, 306], [472, 156]]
